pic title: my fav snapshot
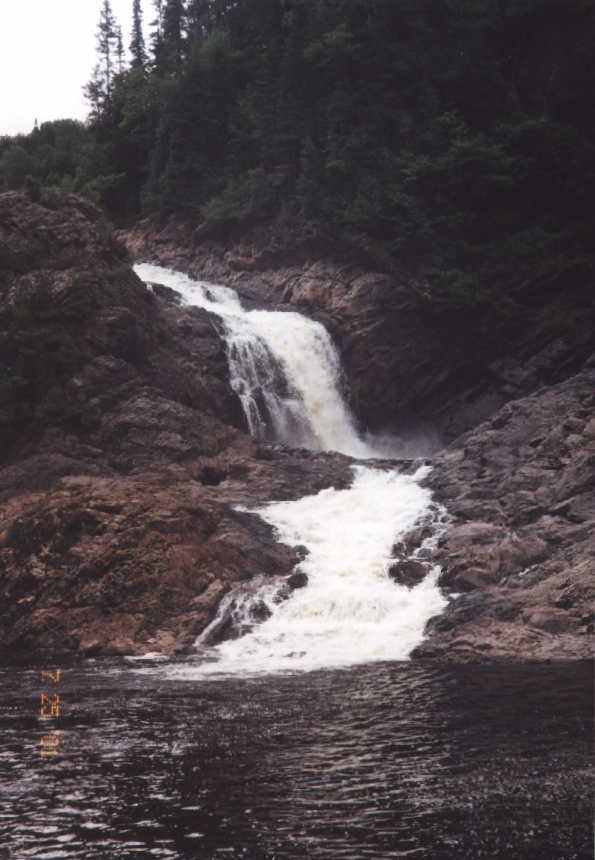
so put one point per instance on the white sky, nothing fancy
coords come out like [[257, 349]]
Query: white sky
[[47, 54]]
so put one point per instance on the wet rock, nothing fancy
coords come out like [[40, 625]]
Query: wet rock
[[260, 611], [211, 476], [408, 573], [166, 293], [76, 576], [297, 580]]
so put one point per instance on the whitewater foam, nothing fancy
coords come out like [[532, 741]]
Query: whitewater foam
[[351, 611]]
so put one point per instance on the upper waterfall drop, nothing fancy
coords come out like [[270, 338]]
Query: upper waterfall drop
[[283, 366]]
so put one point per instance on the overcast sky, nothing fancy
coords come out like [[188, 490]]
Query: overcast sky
[[47, 54]]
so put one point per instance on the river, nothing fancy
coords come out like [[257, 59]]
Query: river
[[378, 761]]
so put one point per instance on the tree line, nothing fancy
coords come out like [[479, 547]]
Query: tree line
[[457, 134]]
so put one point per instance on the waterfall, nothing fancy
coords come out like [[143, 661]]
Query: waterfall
[[283, 366], [287, 374]]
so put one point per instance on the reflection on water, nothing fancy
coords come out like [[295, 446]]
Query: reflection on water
[[382, 761]]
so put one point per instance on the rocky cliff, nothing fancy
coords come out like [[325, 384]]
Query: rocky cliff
[[124, 449]]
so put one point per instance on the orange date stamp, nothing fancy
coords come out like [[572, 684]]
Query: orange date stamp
[[50, 706]]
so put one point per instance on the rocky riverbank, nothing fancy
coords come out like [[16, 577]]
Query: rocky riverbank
[[124, 448], [521, 549]]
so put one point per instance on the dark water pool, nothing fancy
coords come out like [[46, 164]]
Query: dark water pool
[[382, 761]]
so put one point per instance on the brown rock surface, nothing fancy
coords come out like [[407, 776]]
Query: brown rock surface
[[105, 371], [129, 565], [521, 550]]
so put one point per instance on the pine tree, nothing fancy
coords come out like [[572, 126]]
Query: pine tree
[[121, 62], [137, 43], [94, 91], [99, 89], [198, 17], [173, 32], [157, 36], [107, 45]]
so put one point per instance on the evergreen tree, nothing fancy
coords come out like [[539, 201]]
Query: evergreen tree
[[94, 92], [197, 17], [120, 60], [107, 37], [173, 33], [137, 43], [457, 132], [157, 36], [99, 89]]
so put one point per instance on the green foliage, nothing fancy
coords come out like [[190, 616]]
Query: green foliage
[[137, 42], [40, 350], [252, 197], [99, 89], [15, 165], [452, 131], [51, 155], [32, 189]]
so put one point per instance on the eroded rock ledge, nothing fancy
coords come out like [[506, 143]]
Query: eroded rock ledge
[[130, 564]]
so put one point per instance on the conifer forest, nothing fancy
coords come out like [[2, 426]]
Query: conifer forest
[[458, 135]]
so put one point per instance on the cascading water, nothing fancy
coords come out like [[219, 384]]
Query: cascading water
[[350, 612], [283, 367], [287, 375]]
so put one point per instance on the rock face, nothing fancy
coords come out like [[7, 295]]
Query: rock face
[[130, 564], [118, 565], [98, 368], [521, 550], [414, 358], [117, 529]]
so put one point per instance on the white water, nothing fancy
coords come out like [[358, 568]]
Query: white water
[[287, 374], [283, 366], [351, 611]]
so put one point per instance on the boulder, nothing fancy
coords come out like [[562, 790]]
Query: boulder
[[408, 572], [297, 580]]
